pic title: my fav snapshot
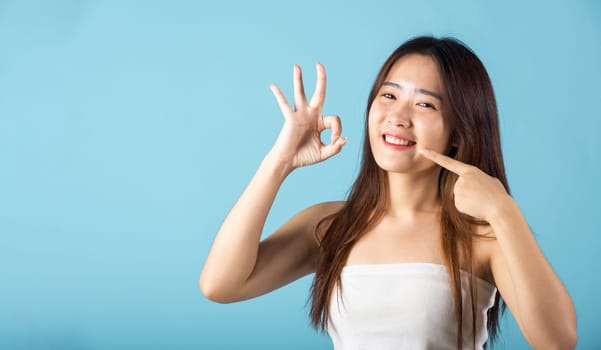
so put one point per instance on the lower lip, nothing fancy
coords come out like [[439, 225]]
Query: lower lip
[[397, 147]]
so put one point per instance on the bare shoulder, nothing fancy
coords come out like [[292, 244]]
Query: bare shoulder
[[317, 212], [304, 228], [330, 207], [314, 215]]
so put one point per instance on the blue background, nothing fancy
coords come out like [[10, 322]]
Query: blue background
[[129, 129]]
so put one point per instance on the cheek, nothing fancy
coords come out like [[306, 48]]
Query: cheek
[[371, 130], [376, 110], [429, 126], [433, 132], [372, 122]]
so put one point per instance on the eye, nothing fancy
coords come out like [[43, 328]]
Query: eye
[[426, 105], [389, 96]]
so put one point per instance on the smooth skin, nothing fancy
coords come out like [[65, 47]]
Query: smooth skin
[[240, 266]]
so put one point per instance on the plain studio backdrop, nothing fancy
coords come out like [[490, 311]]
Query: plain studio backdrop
[[128, 129]]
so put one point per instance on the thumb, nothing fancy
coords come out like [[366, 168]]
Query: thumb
[[333, 148]]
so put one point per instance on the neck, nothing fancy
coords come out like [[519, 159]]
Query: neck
[[413, 194]]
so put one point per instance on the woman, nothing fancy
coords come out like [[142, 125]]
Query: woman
[[429, 239]]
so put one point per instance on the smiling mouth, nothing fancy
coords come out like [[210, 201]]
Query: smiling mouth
[[398, 141]]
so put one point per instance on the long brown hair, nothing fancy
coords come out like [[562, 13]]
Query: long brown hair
[[471, 113]]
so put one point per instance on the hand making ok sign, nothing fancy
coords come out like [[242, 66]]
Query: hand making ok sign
[[299, 142]]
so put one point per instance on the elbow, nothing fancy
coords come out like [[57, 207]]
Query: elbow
[[563, 344], [215, 297], [212, 293], [566, 341], [570, 339]]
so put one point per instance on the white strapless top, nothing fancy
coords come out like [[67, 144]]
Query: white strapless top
[[404, 306]]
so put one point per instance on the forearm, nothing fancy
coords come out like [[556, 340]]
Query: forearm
[[234, 251], [545, 307]]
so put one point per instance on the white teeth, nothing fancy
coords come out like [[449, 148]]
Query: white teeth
[[397, 141]]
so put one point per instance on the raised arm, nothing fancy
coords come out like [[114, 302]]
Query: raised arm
[[239, 266]]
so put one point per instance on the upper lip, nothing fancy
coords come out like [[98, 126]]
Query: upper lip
[[398, 136]]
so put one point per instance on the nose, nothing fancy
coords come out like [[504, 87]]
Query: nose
[[400, 116]]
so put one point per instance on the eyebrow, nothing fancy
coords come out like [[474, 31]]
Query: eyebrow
[[422, 91]]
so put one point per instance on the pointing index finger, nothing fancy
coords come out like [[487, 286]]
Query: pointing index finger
[[446, 162]]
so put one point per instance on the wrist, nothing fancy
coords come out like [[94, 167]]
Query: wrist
[[277, 165]]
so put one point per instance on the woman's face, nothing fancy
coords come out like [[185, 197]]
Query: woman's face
[[406, 115]]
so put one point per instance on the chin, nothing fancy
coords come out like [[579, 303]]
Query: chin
[[396, 166], [405, 166]]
